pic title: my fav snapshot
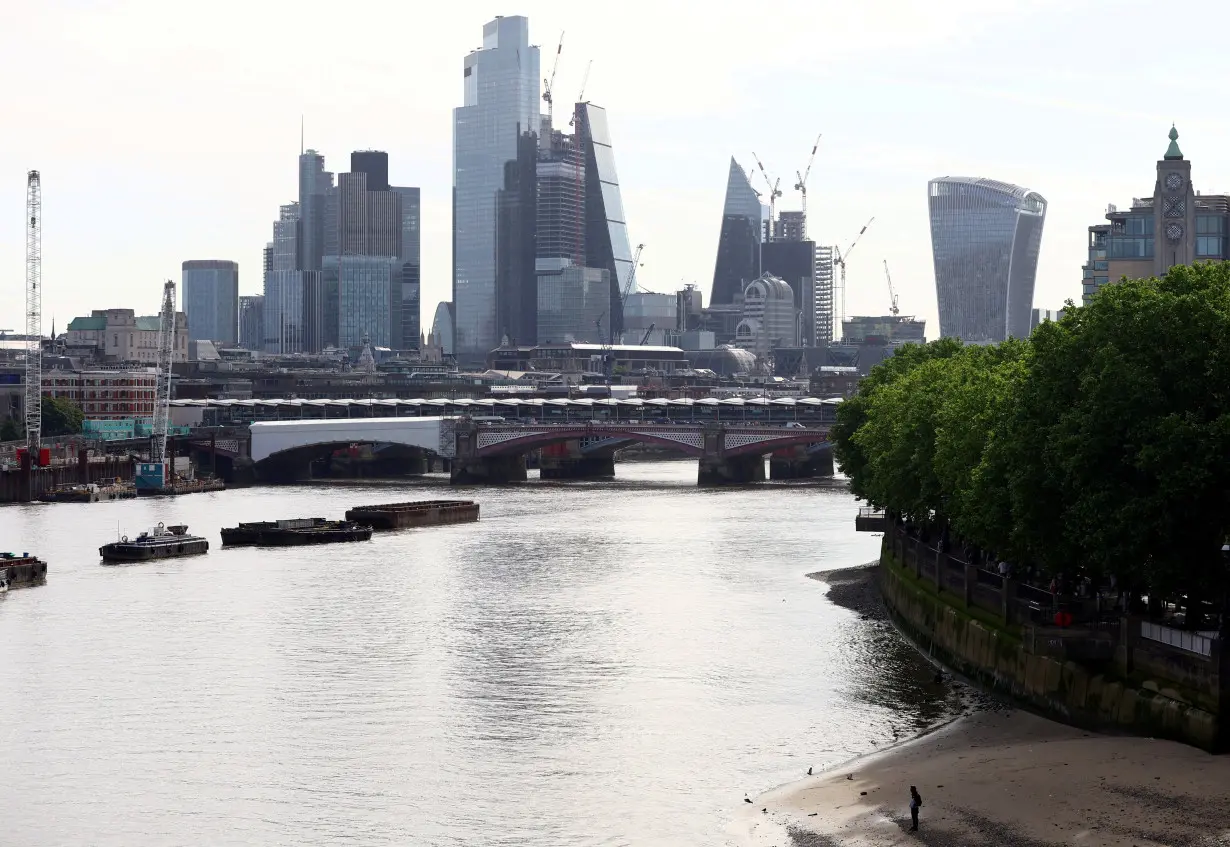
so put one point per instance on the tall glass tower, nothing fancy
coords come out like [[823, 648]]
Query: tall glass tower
[[738, 257], [985, 237], [501, 97]]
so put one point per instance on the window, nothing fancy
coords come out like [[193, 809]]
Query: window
[[1210, 225], [1101, 266], [1209, 246], [1139, 226]]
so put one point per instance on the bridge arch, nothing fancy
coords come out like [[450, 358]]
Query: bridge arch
[[271, 438]]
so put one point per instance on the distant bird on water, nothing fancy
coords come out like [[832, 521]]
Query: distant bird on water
[[746, 799], [809, 771]]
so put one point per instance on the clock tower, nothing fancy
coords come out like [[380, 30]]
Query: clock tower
[[1174, 210]]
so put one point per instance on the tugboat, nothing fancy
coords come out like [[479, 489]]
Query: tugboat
[[161, 542]]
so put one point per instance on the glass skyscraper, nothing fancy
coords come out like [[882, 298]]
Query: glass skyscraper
[[501, 100], [251, 321], [210, 298], [283, 305], [985, 238], [738, 256], [572, 305], [369, 299]]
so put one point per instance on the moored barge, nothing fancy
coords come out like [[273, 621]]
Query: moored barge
[[161, 542], [21, 571], [415, 513], [91, 492], [295, 532]]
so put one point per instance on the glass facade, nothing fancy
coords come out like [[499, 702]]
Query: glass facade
[[369, 299], [210, 297], [501, 100], [442, 328], [985, 238], [606, 229], [283, 312], [251, 321], [738, 256], [572, 304]]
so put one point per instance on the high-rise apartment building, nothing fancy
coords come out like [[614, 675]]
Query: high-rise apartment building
[[985, 238], [251, 321], [500, 103], [738, 254], [209, 295], [1176, 225]]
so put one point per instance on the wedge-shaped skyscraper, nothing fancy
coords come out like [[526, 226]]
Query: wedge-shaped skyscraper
[[738, 255], [985, 237]]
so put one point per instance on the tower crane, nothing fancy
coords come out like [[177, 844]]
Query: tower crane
[[631, 283], [774, 193], [840, 260], [892, 295], [581, 96], [801, 185], [548, 85], [162, 394], [34, 314]]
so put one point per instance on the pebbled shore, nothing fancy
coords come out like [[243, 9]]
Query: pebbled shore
[[999, 777]]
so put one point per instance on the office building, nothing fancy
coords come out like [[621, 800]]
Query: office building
[[688, 307], [374, 165], [738, 254], [825, 308], [369, 221], [1040, 316], [650, 316], [105, 395], [209, 296], [606, 231], [315, 184], [500, 84], [985, 238], [795, 262], [572, 305], [442, 328], [320, 307], [768, 317], [411, 250], [282, 310], [369, 298], [888, 330], [517, 224], [1175, 225], [251, 321]]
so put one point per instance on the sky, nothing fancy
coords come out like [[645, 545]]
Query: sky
[[170, 131]]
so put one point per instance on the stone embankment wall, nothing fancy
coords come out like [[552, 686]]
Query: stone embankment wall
[[1018, 663]]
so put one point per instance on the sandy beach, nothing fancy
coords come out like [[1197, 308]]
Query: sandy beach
[[1002, 777]]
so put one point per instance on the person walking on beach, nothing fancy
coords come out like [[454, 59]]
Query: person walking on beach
[[915, 805]]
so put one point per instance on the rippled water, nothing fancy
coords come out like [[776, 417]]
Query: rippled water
[[613, 663]]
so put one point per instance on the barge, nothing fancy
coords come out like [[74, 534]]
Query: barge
[[183, 486], [91, 492], [295, 532], [415, 513], [161, 542], [21, 571], [250, 533]]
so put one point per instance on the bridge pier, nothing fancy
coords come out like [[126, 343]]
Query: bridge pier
[[800, 464], [730, 470], [478, 470], [582, 467]]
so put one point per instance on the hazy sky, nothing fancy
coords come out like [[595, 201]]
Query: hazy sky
[[169, 131]]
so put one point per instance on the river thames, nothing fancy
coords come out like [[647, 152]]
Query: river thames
[[608, 663]]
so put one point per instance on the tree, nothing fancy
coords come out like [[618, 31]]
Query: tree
[[10, 430], [61, 416]]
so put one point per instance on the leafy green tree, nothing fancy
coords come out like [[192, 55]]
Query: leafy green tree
[[61, 416], [10, 431]]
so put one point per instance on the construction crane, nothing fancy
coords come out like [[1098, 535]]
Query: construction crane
[[892, 295], [162, 394], [648, 332], [548, 85], [581, 96], [34, 315], [801, 185], [840, 260], [631, 283], [774, 193]]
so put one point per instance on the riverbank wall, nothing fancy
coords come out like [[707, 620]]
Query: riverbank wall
[[1103, 676]]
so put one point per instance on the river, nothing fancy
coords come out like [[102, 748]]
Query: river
[[607, 663]]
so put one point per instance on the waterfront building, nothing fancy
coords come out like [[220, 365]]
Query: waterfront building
[[985, 238], [1175, 225], [500, 84], [209, 296], [121, 336], [768, 318], [251, 320], [738, 253]]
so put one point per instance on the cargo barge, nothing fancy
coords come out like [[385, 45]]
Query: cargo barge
[[21, 571], [183, 486], [295, 532], [161, 542], [415, 513], [101, 492]]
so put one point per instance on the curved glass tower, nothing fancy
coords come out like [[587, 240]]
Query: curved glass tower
[[985, 237], [738, 256]]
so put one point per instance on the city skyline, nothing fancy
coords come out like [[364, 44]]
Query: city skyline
[[675, 135]]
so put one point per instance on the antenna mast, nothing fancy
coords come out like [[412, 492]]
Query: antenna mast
[[162, 397], [34, 314]]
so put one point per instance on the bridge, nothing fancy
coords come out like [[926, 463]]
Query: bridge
[[478, 451]]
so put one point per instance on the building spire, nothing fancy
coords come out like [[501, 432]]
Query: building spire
[[1173, 152], [300, 133]]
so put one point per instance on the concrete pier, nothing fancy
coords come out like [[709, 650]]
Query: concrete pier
[[798, 463]]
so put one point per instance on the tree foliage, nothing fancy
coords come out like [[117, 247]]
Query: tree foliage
[[61, 416], [10, 430], [1100, 446]]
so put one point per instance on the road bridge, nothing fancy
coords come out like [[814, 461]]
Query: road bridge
[[480, 451]]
